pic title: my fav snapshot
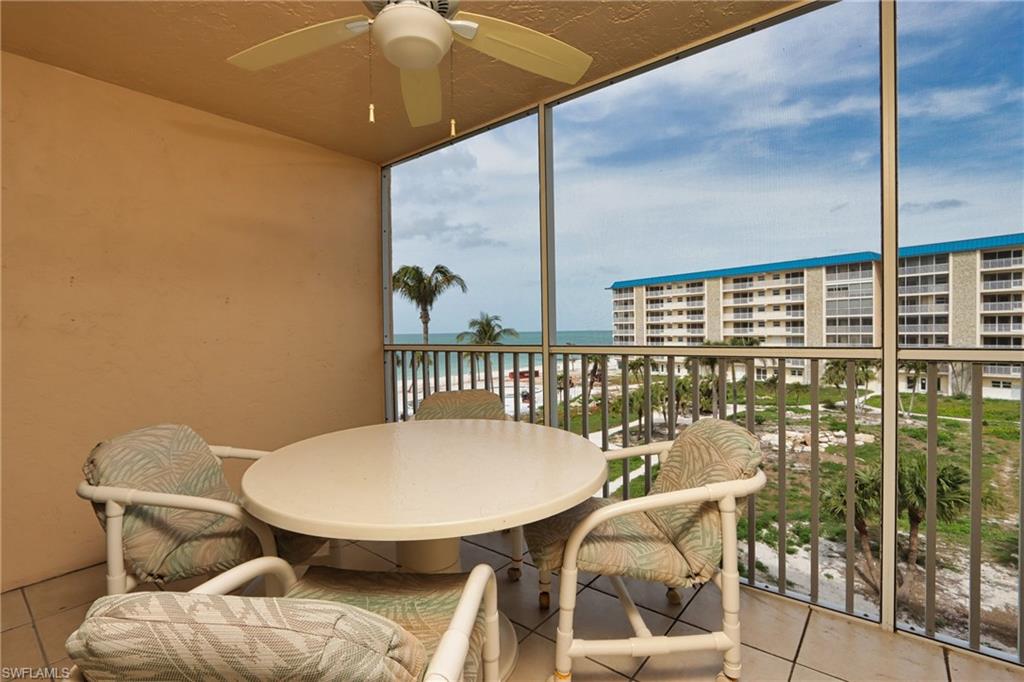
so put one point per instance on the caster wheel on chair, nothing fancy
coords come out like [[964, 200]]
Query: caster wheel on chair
[[514, 572], [545, 600], [673, 597]]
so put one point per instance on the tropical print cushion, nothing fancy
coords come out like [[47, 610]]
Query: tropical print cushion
[[422, 604], [162, 544], [629, 545], [710, 451], [472, 404], [175, 636], [678, 546]]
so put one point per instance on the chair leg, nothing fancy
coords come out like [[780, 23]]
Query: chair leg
[[545, 589], [563, 636], [730, 586], [117, 579], [518, 544], [673, 596]]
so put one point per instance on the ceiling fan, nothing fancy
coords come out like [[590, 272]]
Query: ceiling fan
[[415, 35]]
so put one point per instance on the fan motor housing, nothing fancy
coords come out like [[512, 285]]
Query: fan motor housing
[[412, 35], [446, 8]]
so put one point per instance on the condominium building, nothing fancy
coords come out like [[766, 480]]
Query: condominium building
[[965, 293]]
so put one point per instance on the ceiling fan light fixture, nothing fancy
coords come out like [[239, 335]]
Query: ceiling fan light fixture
[[412, 36]]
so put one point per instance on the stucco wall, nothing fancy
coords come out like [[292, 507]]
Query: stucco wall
[[814, 307], [963, 299], [162, 264], [713, 310]]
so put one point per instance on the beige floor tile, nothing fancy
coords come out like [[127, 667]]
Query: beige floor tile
[[67, 591], [600, 616], [839, 646], [648, 595], [537, 663], [498, 542], [768, 623], [357, 558], [518, 600], [803, 674], [62, 668], [704, 666], [19, 648], [13, 610], [381, 549], [54, 631], [963, 667], [471, 555]]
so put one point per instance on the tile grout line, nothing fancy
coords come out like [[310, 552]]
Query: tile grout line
[[35, 630], [799, 644]]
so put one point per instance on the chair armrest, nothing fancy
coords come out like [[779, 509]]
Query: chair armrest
[[711, 492], [450, 658], [228, 452], [128, 497], [638, 451], [233, 578]]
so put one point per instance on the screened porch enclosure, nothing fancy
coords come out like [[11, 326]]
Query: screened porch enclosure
[[867, 335]]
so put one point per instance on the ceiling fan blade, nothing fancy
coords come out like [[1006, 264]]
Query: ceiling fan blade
[[523, 47], [300, 42], [421, 90]]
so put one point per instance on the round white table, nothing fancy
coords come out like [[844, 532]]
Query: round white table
[[425, 485]]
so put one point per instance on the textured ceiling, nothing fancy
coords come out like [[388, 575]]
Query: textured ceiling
[[176, 50]]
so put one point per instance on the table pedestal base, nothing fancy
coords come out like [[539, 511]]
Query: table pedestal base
[[442, 556], [429, 556]]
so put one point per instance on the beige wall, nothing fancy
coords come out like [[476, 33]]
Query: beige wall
[[162, 264], [963, 299], [713, 327], [814, 307]]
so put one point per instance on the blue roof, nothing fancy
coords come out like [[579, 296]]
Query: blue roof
[[1014, 239], [839, 259]]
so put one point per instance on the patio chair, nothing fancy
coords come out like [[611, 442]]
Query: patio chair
[[473, 404], [160, 494], [683, 533], [331, 624]]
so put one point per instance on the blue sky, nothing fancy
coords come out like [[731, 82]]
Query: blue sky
[[762, 149]]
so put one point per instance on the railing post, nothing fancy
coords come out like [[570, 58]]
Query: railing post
[[547, 260], [890, 337]]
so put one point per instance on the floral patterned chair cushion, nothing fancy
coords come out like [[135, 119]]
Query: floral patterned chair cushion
[[421, 604], [162, 544], [710, 451], [176, 636], [626, 545], [678, 546], [472, 404]]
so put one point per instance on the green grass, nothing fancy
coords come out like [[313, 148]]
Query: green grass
[[993, 409]]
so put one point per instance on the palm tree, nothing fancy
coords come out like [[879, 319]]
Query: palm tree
[[863, 374], [866, 506], [423, 290], [636, 369], [952, 496], [485, 330], [595, 370], [747, 342], [914, 369]]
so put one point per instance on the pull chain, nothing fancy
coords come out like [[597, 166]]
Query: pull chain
[[451, 88], [370, 73]]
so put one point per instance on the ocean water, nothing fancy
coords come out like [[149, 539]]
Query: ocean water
[[587, 337]]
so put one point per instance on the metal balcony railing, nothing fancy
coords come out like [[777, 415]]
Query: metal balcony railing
[[1002, 306], [924, 289], [924, 269], [1002, 328], [996, 284], [815, 435], [923, 308], [992, 263], [924, 328]]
